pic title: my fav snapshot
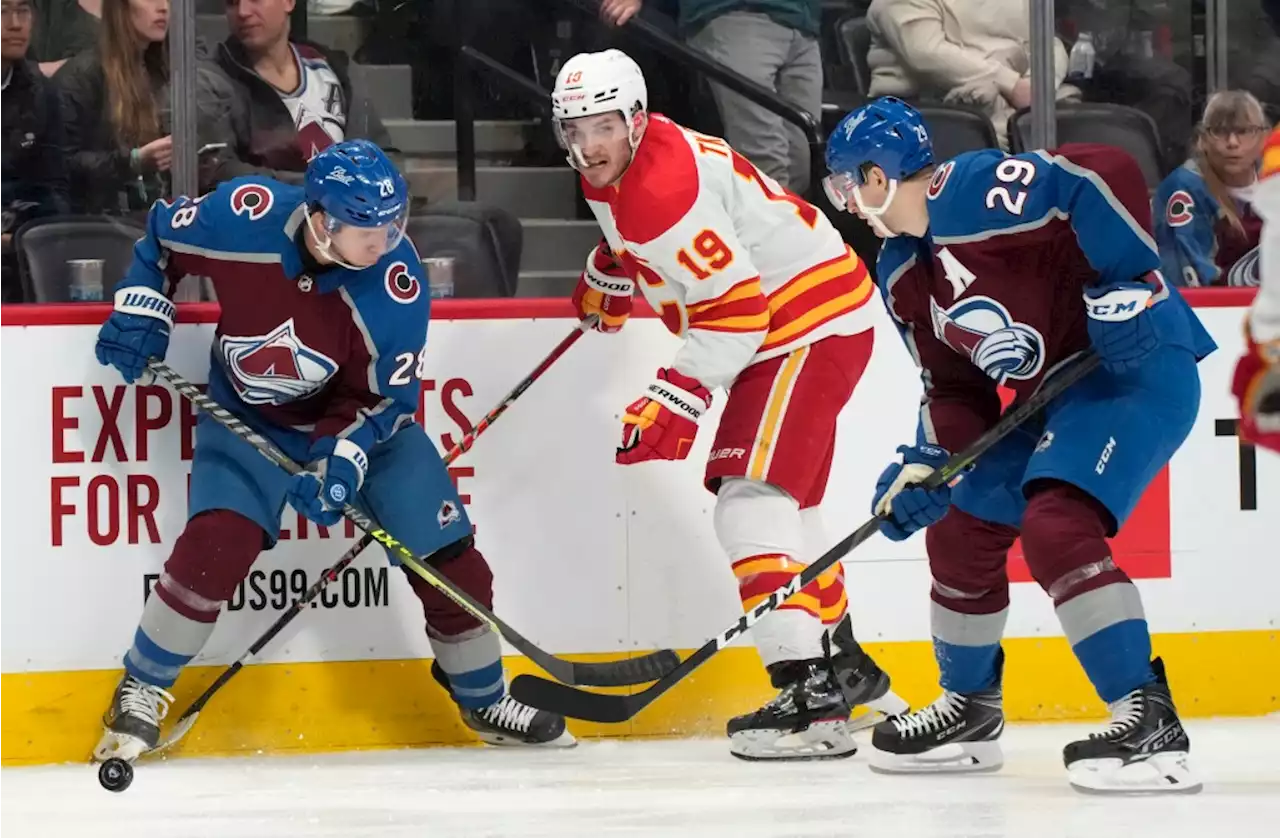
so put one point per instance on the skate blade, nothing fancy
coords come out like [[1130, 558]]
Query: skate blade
[[953, 758], [876, 711], [498, 740], [826, 739], [123, 746], [1164, 773], [181, 729]]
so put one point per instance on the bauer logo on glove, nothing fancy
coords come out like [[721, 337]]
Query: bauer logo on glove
[[662, 424]]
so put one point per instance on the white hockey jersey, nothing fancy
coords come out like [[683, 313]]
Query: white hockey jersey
[[1264, 316], [739, 267]]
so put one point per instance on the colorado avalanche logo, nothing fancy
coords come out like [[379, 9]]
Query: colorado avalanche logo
[[275, 368], [403, 286], [1177, 213], [981, 329], [1246, 272], [252, 199]]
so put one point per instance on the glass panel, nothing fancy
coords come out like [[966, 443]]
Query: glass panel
[[1136, 53], [1253, 52]]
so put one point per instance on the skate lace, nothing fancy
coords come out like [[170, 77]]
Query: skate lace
[[942, 712], [1125, 716], [510, 714], [144, 700]]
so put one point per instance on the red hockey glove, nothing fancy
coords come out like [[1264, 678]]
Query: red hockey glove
[[1257, 387], [604, 289], [662, 424]]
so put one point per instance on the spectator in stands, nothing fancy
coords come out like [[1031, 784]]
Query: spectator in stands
[[34, 181], [1206, 226], [116, 112], [771, 42], [966, 53], [293, 97], [63, 28], [1134, 64]]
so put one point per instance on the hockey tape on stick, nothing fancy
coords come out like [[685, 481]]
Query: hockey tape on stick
[[604, 674], [611, 709]]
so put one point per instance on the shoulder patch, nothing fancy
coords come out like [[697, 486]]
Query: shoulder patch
[[940, 178], [252, 199], [1177, 212], [402, 285]]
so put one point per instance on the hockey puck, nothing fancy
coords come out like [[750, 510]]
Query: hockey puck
[[115, 775]]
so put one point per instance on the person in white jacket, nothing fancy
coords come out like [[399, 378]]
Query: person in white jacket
[[960, 51]]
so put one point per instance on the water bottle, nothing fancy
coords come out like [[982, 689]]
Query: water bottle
[[1083, 57], [86, 280], [439, 276]]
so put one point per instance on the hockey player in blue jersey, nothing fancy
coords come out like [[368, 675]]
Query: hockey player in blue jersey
[[319, 347], [998, 270]]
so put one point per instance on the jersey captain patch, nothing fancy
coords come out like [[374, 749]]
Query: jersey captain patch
[[982, 330], [275, 368]]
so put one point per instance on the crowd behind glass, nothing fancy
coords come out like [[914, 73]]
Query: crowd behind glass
[[88, 128]]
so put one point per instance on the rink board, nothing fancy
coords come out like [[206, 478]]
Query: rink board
[[590, 559]]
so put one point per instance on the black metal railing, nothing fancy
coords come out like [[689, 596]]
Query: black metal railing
[[469, 60]]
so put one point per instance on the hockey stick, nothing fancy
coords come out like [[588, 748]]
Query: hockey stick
[[638, 670], [601, 674], [598, 707]]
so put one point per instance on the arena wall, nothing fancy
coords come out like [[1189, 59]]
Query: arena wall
[[591, 559]]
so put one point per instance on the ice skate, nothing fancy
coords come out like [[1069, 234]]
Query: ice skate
[[959, 732], [132, 721], [861, 679], [507, 722], [808, 719], [1143, 750]]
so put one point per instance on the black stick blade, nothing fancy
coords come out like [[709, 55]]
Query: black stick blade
[[567, 701], [624, 673]]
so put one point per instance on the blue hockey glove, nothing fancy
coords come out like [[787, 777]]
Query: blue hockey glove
[[905, 507], [331, 481], [1121, 328], [136, 331]]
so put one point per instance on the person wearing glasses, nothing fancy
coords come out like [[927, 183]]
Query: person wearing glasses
[[1206, 226]]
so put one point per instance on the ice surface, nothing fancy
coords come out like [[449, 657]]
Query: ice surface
[[645, 788]]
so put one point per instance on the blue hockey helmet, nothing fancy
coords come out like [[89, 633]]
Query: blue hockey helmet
[[358, 188], [887, 133]]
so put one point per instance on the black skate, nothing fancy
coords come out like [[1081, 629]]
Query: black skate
[[1143, 750], [959, 732], [133, 720], [508, 722], [861, 679], [808, 719]]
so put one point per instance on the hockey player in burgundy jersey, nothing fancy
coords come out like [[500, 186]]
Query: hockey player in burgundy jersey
[[319, 346], [998, 270]]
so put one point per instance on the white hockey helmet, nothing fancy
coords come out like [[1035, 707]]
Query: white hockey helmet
[[593, 83]]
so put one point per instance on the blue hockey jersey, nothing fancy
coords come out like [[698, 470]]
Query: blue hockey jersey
[[993, 294], [333, 352], [1199, 246]]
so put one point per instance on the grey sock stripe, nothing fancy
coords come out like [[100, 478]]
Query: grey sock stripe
[[1086, 615], [498, 686], [466, 652], [172, 631], [966, 629]]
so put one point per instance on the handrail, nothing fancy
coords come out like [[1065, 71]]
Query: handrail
[[732, 79], [469, 58]]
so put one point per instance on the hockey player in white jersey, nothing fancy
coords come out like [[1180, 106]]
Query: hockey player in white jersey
[[1257, 377], [773, 306]]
